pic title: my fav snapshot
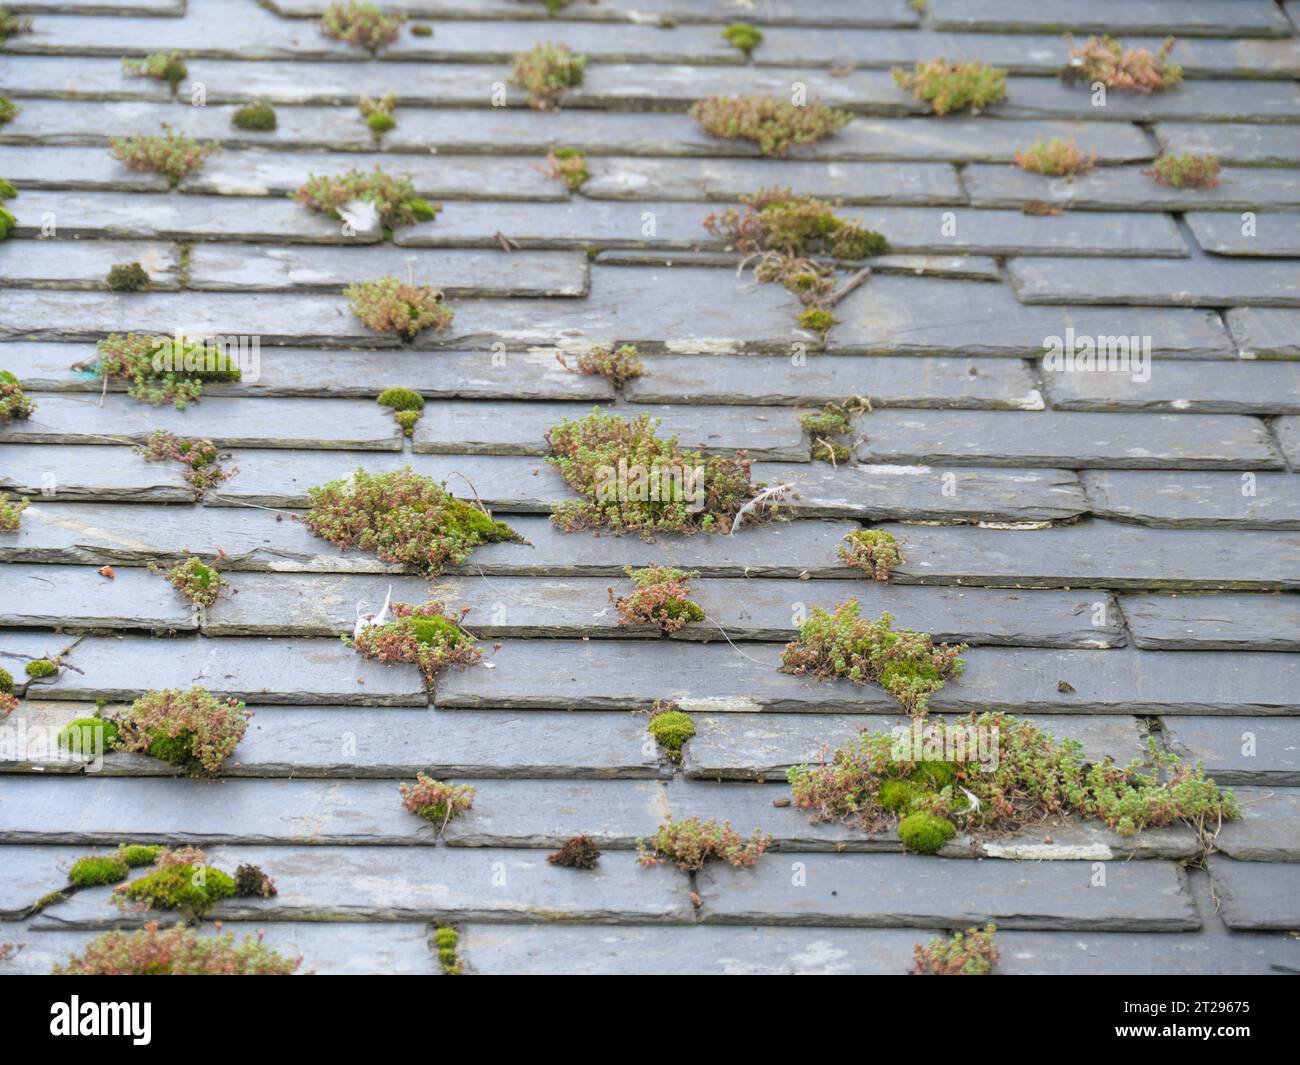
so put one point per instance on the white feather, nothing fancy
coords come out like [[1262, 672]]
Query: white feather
[[974, 801]]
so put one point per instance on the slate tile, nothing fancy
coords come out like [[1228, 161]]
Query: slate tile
[[1208, 388], [1257, 895], [80, 597], [1193, 18], [1264, 333], [30, 167], [1214, 622], [1215, 100], [1288, 435], [78, 472], [30, 874], [1178, 499], [82, 264], [1239, 750], [1267, 233], [1156, 282], [1269, 827], [1232, 142]]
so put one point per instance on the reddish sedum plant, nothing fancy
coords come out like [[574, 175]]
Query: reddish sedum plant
[[545, 71], [14, 403], [140, 362], [173, 154], [661, 598], [362, 24], [11, 512], [252, 883], [954, 86], [177, 951], [1055, 158], [969, 953], [1186, 171], [435, 800], [8, 704], [690, 843], [873, 551], [200, 583], [392, 196], [568, 165], [192, 729], [1105, 60], [198, 456], [426, 636], [775, 125], [402, 517], [618, 366], [392, 306]]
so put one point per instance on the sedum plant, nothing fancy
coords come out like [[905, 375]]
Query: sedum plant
[[8, 110], [11, 512], [617, 365], [177, 951], [388, 305], [14, 403], [131, 358], [426, 636], [180, 879], [199, 457], [829, 429], [200, 583], [969, 953], [436, 801], [660, 599], [403, 517], [1104, 59], [362, 24], [194, 730], [8, 704], [845, 645], [392, 197], [689, 844], [775, 125], [258, 117], [1186, 171], [379, 113], [874, 551], [1055, 158], [161, 66], [545, 71], [954, 86], [252, 883], [576, 852], [568, 165], [173, 154]]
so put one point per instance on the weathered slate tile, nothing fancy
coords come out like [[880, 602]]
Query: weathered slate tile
[[1175, 499], [1261, 751], [1127, 188], [1066, 439], [1247, 387], [423, 883], [256, 670], [30, 874], [58, 76], [74, 168], [460, 427], [82, 264], [886, 381], [893, 890], [926, 493], [1229, 142], [334, 424], [81, 472], [1264, 333], [76, 597], [29, 740], [1214, 622], [459, 272], [728, 179], [1288, 435], [1204, 282], [1268, 233], [898, 315], [764, 746], [1191, 18], [1217, 100], [1269, 828], [1257, 895], [1098, 554]]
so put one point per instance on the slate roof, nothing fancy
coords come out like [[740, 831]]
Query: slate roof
[[1139, 540]]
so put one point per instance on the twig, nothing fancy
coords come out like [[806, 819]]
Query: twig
[[848, 286]]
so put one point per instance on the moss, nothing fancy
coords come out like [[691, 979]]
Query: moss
[[577, 852], [198, 582], [168, 67], [545, 71], [179, 887], [381, 122], [257, 116], [436, 801], [671, 729], [48, 900], [7, 189], [772, 123], [1186, 171], [401, 399], [447, 940], [933, 775], [127, 277], [392, 196], [79, 735], [98, 870], [8, 110], [568, 165], [11, 512], [136, 855], [6, 681], [925, 833], [817, 320], [421, 29], [192, 729], [406, 419], [897, 796], [7, 223], [660, 598], [743, 37], [954, 86], [41, 667]]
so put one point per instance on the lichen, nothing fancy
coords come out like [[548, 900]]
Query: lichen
[[660, 598], [173, 154], [258, 116], [1186, 171], [127, 277], [969, 953], [874, 551], [545, 71], [775, 125], [388, 305], [954, 86]]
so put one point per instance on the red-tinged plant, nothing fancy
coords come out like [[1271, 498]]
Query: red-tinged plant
[[392, 196], [141, 361], [173, 154], [8, 704], [435, 800], [177, 951], [161, 66], [577, 852], [1055, 158], [618, 366], [9, 951], [191, 729], [969, 953], [362, 24], [388, 305], [953, 86], [691, 843], [402, 517], [14, 404], [568, 165], [545, 71], [426, 636], [1186, 171], [775, 125], [1105, 60], [252, 883], [198, 456], [200, 583], [873, 551], [661, 598]]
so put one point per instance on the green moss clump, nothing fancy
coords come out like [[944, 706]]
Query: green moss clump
[[381, 122], [79, 736], [743, 36], [98, 870], [406, 419], [924, 832], [168, 67], [545, 71], [403, 399], [8, 110], [671, 729], [179, 887], [7, 189], [6, 681], [41, 667], [447, 940], [127, 277], [817, 320], [897, 796], [130, 359], [934, 775], [139, 854], [7, 223], [258, 116]]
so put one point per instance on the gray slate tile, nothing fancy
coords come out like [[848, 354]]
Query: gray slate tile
[[1269, 827], [1239, 750], [1214, 622], [1288, 435], [1245, 387], [1257, 895], [1178, 499], [1264, 333], [78, 472], [1204, 282], [1232, 142], [80, 597], [1189, 18], [82, 264], [1276, 233], [30, 874]]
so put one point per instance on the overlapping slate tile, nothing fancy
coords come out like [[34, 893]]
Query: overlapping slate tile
[[74, 168], [1156, 282], [1204, 100], [1232, 142], [1178, 498], [30, 874], [1288, 435], [1194, 18], [1258, 234], [1213, 622], [79, 472], [1264, 333], [1207, 387], [1257, 895], [1268, 829], [1239, 750], [83, 264], [81, 597]]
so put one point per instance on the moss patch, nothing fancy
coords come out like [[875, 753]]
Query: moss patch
[[98, 870], [954, 86], [258, 117], [127, 277], [775, 125]]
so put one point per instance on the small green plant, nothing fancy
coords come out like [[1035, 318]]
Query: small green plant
[[136, 855], [173, 154], [743, 37], [404, 518], [133, 358], [568, 165], [691, 843], [200, 583], [194, 730], [258, 117], [830, 428], [775, 125], [954, 86], [1055, 158], [12, 25], [618, 365], [577, 852], [660, 599], [545, 71], [362, 24], [671, 727], [179, 880], [14, 403], [392, 197], [127, 277], [817, 320], [379, 113], [97, 870], [447, 940], [252, 883], [88, 735], [406, 405], [969, 953], [906, 664], [874, 551], [168, 67], [8, 110], [427, 636], [199, 458], [40, 668], [437, 802], [7, 223], [388, 305], [1186, 171], [11, 512], [1105, 60], [661, 489], [6, 681], [924, 832], [7, 189], [178, 951]]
